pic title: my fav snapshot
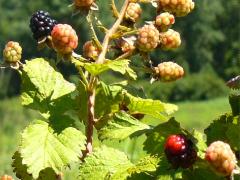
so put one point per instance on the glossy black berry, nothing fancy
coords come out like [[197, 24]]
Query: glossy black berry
[[41, 24], [180, 151]]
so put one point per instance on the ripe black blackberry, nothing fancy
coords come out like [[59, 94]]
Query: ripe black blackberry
[[41, 24], [180, 151]]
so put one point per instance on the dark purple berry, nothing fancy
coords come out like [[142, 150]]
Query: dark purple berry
[[41, 24]]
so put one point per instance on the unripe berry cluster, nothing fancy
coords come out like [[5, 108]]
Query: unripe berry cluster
[[168, 71], [221, 157], [12, 52], [90, 50], [164, 21], [83, 3], [6, 177], [148, 38], [180, 151], [133, 12], [64, 38], [127, 44], [176, 7], [170, 39]]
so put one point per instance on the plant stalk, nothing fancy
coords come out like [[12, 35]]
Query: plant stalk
[[93, 80]]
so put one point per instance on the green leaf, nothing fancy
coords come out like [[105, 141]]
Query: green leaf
[[165, 172], [200, 174], [45, 89], [233, 136], [42, 148], [154, 143], [108, 99], [121, 126], [200, 143], [121, 66], [147, 164], [150, 107], [103, 163], [21, 170]]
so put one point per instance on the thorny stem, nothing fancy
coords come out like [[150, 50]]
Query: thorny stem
[[94, 80]]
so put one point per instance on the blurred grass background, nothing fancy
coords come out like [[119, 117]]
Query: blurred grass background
[[210, 55]]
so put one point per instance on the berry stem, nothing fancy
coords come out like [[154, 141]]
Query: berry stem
[[93, 81]]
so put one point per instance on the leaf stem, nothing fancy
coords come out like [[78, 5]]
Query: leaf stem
[[93, 80]]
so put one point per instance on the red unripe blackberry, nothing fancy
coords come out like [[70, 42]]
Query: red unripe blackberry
[[170, 40], [6, 177], [168, 71], [148, 38], [83, 3], [90, 50], [164, 21], [64, 38], [41, 24], [176, 7], [133, 12], [221, 158], [12, 52], [180, 151]]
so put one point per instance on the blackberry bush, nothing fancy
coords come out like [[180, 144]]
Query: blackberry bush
[[54, 143], [41, 24]]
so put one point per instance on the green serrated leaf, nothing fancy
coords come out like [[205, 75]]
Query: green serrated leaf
[[21, 170], [103, 163], [150, 107], [45, 89], [121, 66], [41, 147], [200, 143], [18, 168], [233, 136], [121, 126], [107, 100], [200, 174], [154, 143], [165, 172], [147, 164], [217, 129]]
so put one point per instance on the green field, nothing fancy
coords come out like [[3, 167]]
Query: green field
[[14, 118]]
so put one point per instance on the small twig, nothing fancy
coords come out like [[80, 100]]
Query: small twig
[[93, 33], [114, 9], [125, 55]]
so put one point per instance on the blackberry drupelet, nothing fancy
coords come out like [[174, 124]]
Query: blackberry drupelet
[[41, 24]]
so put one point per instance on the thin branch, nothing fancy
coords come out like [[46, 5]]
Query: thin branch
[[109, 34], [94, 81], [114, 9]]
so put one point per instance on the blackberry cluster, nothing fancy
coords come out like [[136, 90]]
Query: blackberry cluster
[[170, 39], [133, 12], [12, 52], [168, 71], [83, 3], [164, 21], [127, 44], [176, 7], [64, 38], [41, 24], [90, 50], [6, 177], [221, 157], [180, 151], [148, 38]]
